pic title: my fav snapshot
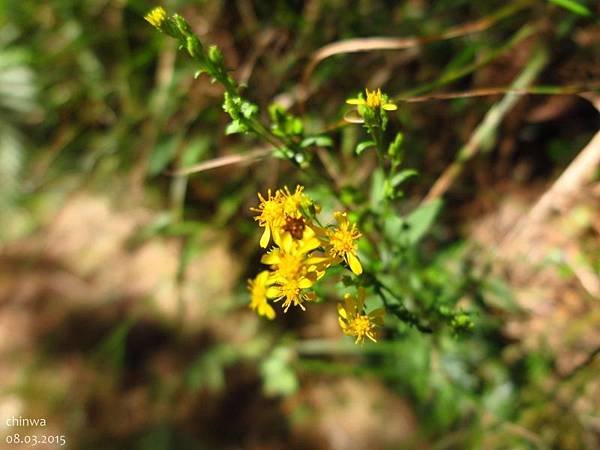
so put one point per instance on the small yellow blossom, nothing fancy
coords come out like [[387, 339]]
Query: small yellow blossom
[[290, 259], [302, 250], [293, 269], [280, 213], [156, 17], [292, 291], [271, 216], [293, 202], [258, 295], [353, 320], [342, 242], [373, 100]]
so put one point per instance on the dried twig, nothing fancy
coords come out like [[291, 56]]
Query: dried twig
[[557, 198], [383, 43], [244, 158], [574, 89]]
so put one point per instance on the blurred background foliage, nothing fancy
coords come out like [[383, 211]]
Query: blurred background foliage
[[123, 310]]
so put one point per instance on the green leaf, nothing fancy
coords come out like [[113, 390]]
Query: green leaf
[[362, 146], [395, 148], [319, 141], [248, 109], [208, 370], [402, 176], [215, 55], [284, 124], [235, 127], [573, 6], [378, 184], [111, 350], [283, 153], [11, 161], [194, 151], [278, 376], [163, 154], [420, 221]]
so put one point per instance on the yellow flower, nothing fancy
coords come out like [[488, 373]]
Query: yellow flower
[[342, 242], [280, 213], [271, 215], [355, 322], [374, 100], [156, 17], [303, 250], [258, 295], [294, 270], [292, 292], [292, 258], [292, 203]]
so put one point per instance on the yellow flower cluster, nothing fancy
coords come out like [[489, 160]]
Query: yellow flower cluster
[[156, 17], [373, 99], [302, 251], [355, 322]]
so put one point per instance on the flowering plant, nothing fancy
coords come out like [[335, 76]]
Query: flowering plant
[[301, 249]]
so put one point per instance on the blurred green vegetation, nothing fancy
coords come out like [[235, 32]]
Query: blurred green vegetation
[[95, 104]]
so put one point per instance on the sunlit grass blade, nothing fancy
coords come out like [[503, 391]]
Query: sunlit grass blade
[[573, 6]]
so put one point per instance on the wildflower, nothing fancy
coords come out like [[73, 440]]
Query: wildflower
[[280, 213], [292, 292], [294, 270], [342, 242], [292, 258], [303, 250], [258, 295], [374, 100], [156, 17], [293, 203], [271, 216], [289, 259], [353, 320]]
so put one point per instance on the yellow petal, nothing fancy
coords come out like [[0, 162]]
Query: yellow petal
[[309, 244], [304, 283], [269, 312], [271, 258], [354, 264], [266, 237], [316, 260], [390, 107], [287, 242], [343, 325], [273, 292], [341, 217], [277, 236], [354, 101], [342, 311], [263, 277]]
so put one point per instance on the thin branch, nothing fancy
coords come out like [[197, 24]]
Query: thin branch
[[383, 43], [579, 173], [244, 158]]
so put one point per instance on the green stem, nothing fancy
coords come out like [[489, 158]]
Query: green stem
[[375, 132], [398, 309]]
